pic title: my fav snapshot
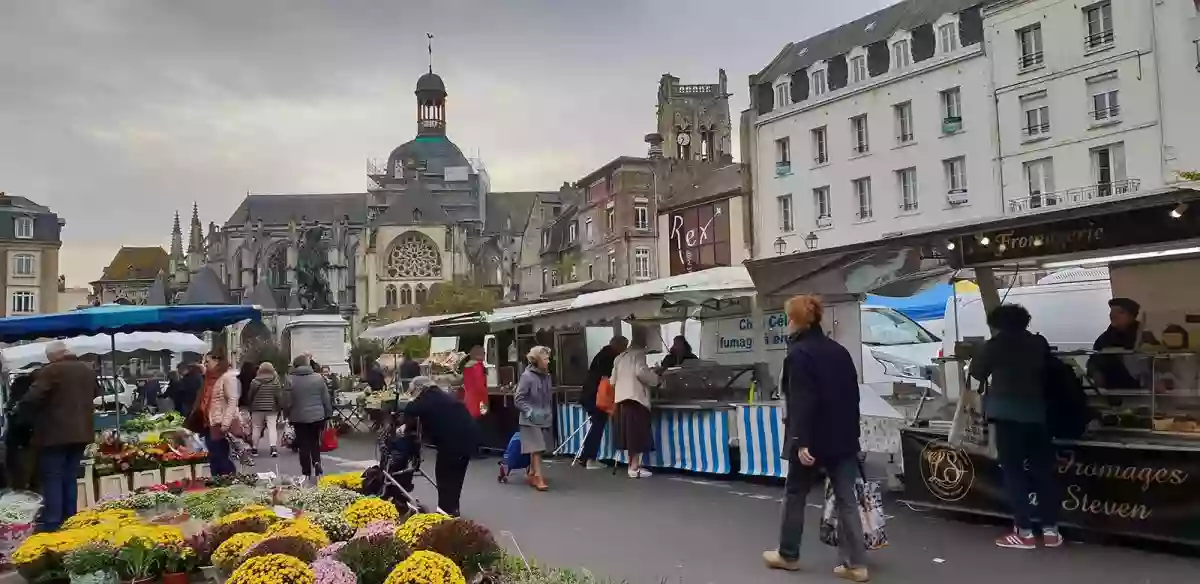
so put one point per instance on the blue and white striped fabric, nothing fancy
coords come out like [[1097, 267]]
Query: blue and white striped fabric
[[691, 440], [761, 432]]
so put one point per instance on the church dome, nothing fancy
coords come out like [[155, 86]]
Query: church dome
[[431, 82], [436, 151]]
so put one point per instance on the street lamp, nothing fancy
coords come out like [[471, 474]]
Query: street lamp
[[811, 240], [780, 246]]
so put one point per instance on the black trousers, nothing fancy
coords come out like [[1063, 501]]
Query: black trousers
[[308, 444], [450, 472], [1027, 462], [591, 442]]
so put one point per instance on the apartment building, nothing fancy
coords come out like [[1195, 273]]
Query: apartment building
[[1093, 100], [876, 128], [614, 223], [30, 238]]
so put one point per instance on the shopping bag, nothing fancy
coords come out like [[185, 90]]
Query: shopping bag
[[869, 501], [513, 458], [329, 439], [288, 437], [606, 396], [970, 429]]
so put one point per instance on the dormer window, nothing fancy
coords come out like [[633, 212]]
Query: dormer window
[[819, 84], [901, 55], [416, 215], [783, 94], [858, 69], [23, 227], [948, 38]]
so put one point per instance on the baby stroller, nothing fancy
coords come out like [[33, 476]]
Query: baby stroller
[[399, 462]]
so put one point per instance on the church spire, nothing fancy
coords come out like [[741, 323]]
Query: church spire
[[176, 240], [431, 100], [196, 231]]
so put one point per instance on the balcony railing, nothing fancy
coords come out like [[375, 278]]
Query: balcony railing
[[956, 196], [1106, 113], [861, 148], [1036, 129], [951, 124], [782, 168], [377, 166], [820, 159], [908, 206], [1073, 197], [1099, 39], [1031, 60], [824, 221]]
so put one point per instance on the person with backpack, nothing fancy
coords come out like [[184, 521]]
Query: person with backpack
[[601, 367], [1015, 364]]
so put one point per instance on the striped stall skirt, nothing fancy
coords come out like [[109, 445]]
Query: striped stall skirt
[[691, 440], [760, 429]]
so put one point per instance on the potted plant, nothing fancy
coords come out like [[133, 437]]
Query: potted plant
[[139, 562], [178, 562], [92, 563]]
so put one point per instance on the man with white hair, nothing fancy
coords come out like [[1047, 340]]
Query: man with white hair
[[60, 403]]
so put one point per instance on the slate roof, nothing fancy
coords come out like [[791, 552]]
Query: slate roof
[[157, 294], [415, 196], [437, 152], [905, 15], [431, 82], [205, 287], [262, 297], [136, 263], [279, 209], [514, 206], [16, 202]]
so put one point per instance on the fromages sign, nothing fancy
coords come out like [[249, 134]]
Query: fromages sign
[[737, 335]]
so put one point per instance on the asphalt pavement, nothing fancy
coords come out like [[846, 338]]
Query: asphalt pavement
[[685, 529]]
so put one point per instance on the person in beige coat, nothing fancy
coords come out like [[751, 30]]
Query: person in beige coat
[[632, 379], [218, 405]]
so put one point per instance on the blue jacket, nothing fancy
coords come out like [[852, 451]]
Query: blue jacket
[[820, 384]]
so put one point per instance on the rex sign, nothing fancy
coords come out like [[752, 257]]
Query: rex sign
[[737, 335], [698, 237]]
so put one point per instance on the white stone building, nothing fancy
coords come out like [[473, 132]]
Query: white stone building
[[878, 127]]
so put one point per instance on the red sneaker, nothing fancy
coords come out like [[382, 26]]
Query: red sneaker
[[1014, 540], [1051, 538]]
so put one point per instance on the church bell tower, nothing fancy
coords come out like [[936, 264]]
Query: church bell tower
[[693, 120]]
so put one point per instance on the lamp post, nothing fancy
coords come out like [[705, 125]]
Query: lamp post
[[780, 246], [811, 240]]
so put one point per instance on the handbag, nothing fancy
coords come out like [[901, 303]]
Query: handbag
[[869, 501], [329, 439], [970, 430], [606, 396]]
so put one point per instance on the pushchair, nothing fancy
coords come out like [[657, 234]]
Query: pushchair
[[399, 462]]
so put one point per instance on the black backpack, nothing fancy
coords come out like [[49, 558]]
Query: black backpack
[[1067, 411]]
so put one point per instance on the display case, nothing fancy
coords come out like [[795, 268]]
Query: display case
[[1150, 390], [703, 381]]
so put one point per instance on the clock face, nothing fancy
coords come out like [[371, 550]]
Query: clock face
[[684, 139]]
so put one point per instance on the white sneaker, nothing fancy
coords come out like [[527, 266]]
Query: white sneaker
[[594, 465], [640, 473]]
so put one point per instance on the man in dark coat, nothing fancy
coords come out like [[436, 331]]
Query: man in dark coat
[[61, 402], [446, 423], [1110, 371], [820, 384], [190, 386], [602, 366]]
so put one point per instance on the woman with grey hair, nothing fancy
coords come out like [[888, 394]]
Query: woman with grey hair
[[534, 399], [447, 424]]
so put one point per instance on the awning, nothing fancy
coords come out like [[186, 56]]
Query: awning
[[670, 298], [409, 327], [508, 314], [19, 356]]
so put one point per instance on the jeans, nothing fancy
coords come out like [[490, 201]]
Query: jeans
[[450, 472], [308, 444], [218, 455], [260, 420], [800, 479], [1026, 455], [591, 442], [59, 467]]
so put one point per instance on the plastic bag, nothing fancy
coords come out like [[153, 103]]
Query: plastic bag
[[18, 509]]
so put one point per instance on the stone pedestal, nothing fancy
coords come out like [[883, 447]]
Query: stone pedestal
[[321, 335]]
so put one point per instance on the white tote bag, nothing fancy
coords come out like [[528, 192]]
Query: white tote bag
[[869, 500], [970, 430]]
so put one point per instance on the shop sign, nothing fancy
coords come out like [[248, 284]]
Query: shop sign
[[1125, 490], [698, 237], [737, 335], [1148, 226]]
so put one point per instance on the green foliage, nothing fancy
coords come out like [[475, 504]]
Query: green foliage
[[458, 296], [260, 349], [373, 558], [91, 557], [415, 346], [139, 560], [362, 353], [512, 570], [294, 546], [1189, 175]]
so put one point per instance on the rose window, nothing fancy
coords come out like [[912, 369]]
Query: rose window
[[414, 255]]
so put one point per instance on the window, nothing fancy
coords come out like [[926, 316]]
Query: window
[[545, 280], [784, 205], [641, 263], [554, 278], [23, 303], [819, 87], [821, 207], [904, 122], [587, 228], [956, 174], [555, 210], [858, 69], [1030, 41], [951, 111], [23, 227], [783, 156], [406, 295], [901, 57], [699, 238], [1039, 176], [1106, 106], [1037, 116], [862, 196], [907, 179], [886, 327], [591, 272], [820, 146], [572, 232], [1108, 169], [611, 219], [948, 38], [23, 264], [574, 276], [389, 296], [612, 266], [641, 217], [858, 134], [783, 94], [545, 239], [1099, 25]]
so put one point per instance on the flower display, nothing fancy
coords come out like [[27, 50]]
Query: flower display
[[346, 480], [91, 517], [369, 510], [373, 559], [468, 544], [416, 525], [163, 535], [425, 567], [331, 571], [331, 550], [227, 554], [321, 499], [137, 501], [376, 529], [289, 545], [272, 569], [334, 526], [302, 527]]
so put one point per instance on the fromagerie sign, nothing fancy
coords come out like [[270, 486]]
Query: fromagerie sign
[[738, 335]]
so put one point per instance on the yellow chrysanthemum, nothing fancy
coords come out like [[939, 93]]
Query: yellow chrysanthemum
[[417, 525], [424, 567], [164, 535], [248, 512], [272, 569], [369, 510], [58, 542], [89, 517], [303, 528], [231, 549], [347, 480]]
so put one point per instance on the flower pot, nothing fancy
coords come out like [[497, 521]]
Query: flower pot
[[175, 578]]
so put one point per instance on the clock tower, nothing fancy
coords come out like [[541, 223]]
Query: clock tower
[[693, 120]]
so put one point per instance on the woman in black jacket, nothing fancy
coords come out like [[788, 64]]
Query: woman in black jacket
[[446, 423]]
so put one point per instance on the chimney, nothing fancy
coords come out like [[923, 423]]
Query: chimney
[[655, 141]]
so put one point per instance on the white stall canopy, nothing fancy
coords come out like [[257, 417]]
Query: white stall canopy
[[665, 299], [409, 327], [20, 356]]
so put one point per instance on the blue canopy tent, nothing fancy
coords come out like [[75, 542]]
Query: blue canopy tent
[[927, 305]]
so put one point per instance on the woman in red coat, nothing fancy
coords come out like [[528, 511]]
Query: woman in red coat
[[475, 391]]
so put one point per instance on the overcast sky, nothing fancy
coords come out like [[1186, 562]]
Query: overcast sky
[[117, 113]]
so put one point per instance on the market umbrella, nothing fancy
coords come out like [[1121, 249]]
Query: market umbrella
[[119, 318], [20, 356]]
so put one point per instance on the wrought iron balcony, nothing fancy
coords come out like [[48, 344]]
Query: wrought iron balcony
[[1100, 39], [1074, 197], [951, 124], [908, 206], [1111, 112], [783, 167], [957, 196], [824, 221], [1035, 130], [1031, 60]]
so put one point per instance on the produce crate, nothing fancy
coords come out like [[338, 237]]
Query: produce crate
[[201, 471], [177, 473], [145, 478], [113, 485]]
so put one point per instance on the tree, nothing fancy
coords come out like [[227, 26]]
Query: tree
[[1189, 175], [362, 352], [458, 296]]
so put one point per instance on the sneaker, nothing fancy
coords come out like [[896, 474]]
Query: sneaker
[[858, 574], [1051, 538], [594, 465], [1017, 540], [777, 562], [640, 473], [274, 452], [253, 452]]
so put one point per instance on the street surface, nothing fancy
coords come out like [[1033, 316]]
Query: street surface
[[694, 530]]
